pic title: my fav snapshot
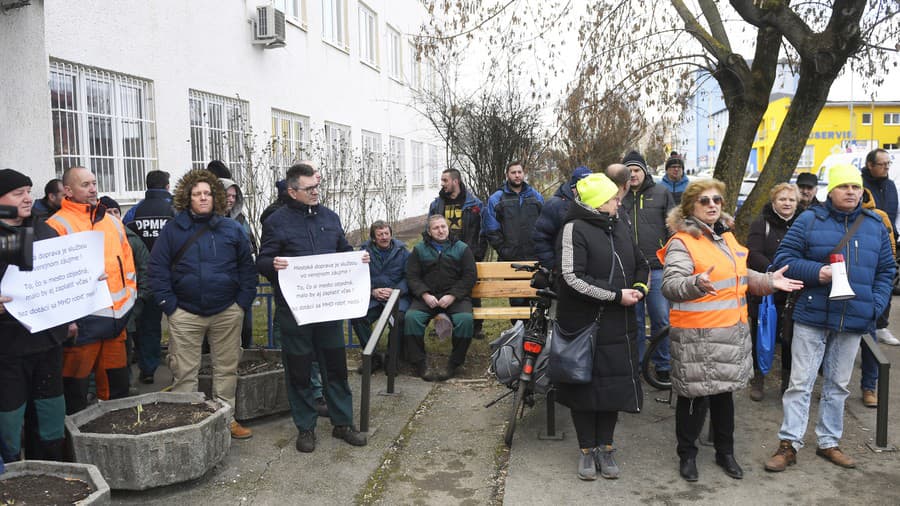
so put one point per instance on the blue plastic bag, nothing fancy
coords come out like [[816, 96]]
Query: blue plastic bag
[[766, 330]]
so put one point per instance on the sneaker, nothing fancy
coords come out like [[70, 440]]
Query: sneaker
[[785, 456], [757, 387], [321, 407], [836, 456], [238, 431], [885, 336], [587, 468], [869, 399], [605, 463], [349, 434], [306, 441], [147, 378]]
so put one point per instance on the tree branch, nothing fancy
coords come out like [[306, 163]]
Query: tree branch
[[693, 27]]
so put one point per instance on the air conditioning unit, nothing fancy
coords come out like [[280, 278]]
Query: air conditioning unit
[[269, 27]]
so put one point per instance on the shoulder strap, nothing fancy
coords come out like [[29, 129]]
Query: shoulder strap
[[184, 247], [852, 230]]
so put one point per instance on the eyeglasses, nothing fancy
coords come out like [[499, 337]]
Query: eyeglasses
[[309, 189], [716, 199]]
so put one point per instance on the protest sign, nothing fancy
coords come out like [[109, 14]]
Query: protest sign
[[64, 284], [322, 288]]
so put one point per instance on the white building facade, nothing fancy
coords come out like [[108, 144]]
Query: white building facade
[[135, 85]]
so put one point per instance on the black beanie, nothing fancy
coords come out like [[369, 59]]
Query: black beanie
[[109, 203], [635, 158], [12, 179], [218, 168], [674, 159]]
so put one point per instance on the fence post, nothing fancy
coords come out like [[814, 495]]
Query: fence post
[[551, 419], [884, 391]]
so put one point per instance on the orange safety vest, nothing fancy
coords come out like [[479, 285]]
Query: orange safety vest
[[117, 256], [729, 304]]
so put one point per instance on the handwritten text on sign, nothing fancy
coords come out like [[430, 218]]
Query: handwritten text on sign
[[63, 285], [321, 288]]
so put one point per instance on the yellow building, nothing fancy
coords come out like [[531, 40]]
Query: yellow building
[[841, 127]]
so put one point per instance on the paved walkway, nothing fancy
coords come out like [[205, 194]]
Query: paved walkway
[[436, 444]]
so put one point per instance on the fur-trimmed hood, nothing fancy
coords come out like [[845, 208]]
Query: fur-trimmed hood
[[181, 197], [677, 222]]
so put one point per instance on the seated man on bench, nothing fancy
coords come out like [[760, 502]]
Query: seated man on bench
[[440, 274]]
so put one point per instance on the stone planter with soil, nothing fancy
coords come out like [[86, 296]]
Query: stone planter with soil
[[179, 437], [261, 389], [45, 482]]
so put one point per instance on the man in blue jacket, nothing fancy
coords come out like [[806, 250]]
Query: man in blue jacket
[[202, 276], [827, 332], [303, 227], [387, 271], [674, 180], [508, 221], [552, 218]]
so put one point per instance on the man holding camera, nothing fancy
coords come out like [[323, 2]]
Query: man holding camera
[[30, 364]]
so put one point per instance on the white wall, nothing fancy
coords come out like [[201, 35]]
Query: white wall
[[206, 45]]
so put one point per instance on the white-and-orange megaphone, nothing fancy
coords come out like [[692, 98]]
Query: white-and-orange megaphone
[[840, 285]]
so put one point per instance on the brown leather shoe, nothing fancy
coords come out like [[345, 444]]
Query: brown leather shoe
[[836, 456], [238, 431], [869, 399], [785, 456]]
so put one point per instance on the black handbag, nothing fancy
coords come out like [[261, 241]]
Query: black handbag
[[572, 354]]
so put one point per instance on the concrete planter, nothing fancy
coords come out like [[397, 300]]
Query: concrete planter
[[157, 458], [258, 394], [84, 472]]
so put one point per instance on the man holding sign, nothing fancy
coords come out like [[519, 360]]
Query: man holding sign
[[302, 228], [30, 364], [99, 345]]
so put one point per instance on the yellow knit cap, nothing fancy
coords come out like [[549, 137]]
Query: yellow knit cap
[[843, 173], [596, 190]]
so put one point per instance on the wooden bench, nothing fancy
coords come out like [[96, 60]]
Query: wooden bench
[[499, 280]]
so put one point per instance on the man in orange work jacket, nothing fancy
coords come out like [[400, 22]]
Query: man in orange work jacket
[[99, 345]]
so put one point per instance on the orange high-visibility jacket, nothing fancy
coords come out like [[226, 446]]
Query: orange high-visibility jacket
[[118, 262], [729, 304]]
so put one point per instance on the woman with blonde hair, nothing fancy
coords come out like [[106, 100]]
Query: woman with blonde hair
[[706, 278]]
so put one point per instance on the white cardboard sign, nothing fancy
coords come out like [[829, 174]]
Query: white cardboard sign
[[323, 288]]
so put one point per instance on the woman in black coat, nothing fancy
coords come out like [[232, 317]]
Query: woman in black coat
[[603, 275], [766, 233]]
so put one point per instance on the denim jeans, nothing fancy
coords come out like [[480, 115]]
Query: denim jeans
[[659, 318], [836, 352]]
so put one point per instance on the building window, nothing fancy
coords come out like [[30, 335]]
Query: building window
[[398, 158], [866, 118], [368, 35], [218, 125], [290, 139], [434, 166], [414, 76], [104, 121], [395, 55], [371, 150], [294, 11], [334, 23], [337, 140], [418, 163], [808, 158], [892, 118]]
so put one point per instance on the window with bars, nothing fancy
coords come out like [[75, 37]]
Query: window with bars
[[395, 54], [434, 165], [290, 139], [418, 163], [371, 150], [398, 157], [218, 126], [368, 35], [334, 23], [337, 139], [294, 10], [103, 121]]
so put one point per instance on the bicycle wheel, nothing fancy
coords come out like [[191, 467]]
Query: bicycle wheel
[[517, 407], [647, 369]]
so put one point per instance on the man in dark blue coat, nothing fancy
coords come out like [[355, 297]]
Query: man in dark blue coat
[[303, 227], [387, 270], [509, 218], [202, 276], [147, 219], [553, 216]]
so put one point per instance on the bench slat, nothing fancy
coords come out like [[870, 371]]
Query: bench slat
[[503, 288], [501, 270], [501, 313]]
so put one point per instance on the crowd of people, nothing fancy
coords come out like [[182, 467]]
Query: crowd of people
[[626, 247]]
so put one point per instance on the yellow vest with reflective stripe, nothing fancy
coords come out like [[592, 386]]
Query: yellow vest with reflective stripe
[[729, 304]]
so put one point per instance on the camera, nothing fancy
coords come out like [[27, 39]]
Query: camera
[[16, 244]]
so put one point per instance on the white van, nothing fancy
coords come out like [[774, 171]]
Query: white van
[[856, 159]]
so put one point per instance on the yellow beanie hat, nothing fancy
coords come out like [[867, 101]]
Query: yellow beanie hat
[[843, 173], [596, 190]]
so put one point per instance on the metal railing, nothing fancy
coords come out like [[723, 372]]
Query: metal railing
[[390, 313], [884, 392]]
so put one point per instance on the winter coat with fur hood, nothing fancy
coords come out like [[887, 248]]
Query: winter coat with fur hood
[[706, 361]]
